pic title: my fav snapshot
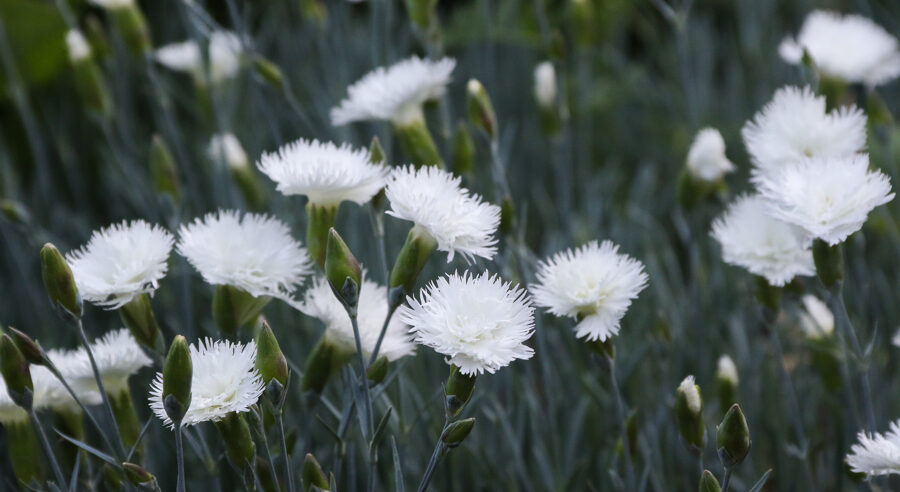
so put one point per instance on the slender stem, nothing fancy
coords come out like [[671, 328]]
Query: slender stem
[[265, 441], [432, 463], [368, 418], [179, 456], [55, 371], [284, 452], [384, 327], [109, 411], [726, 480], [842, 320], [45, 444], [620, 410]]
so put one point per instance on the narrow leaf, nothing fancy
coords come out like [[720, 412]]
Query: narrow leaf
[[762, 481]]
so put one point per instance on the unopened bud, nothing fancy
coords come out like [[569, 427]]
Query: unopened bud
[[131, 24], [412, 258], [16, 374], [417, 142], [324, 360], [14, 211], [689, 412], [459, 390], [312, 474], [138, 475], [342, 270], [480, 109], [162, 168], [378, 370], [138, 317], [726, 382], [270, 361], [60, 283], [319, 219], [269, 71], [234, 308], [239, 445], [733, 437], [708, 482], [457, 432], [178, 372], [28, 347]]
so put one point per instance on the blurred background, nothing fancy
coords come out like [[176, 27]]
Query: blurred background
[[637, 79]]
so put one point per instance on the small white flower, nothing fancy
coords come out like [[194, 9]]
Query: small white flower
[[830, 198], [255, 253], [706, 160], [118, 357], [224, 380], [121, 262], [224, 54], [77, 46], [726, 370], [111, 4], [458, 220], [817, 320], [846, 47], [480, 323], [395, 93], [325, 173], [225, 147], [876, 453], [795, 125], [545, 84], [594, 282], [691, 394], [321, 303], [752, 239]]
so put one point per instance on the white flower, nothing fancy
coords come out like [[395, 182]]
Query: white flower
[[816, 320], [706, 160], [480, 323], [395, 93], [830, 198], [326, 173], [847, 47], [321, 303], [726, 370], [752, 239], [876, 453], [255, 253], [795, 125], [77, 46], [121, 262], [111, 4], [454, 217], [594, 282], [224, 54], [545, 84], [226, 148], [224, 380], [691, 394], [118, 357]]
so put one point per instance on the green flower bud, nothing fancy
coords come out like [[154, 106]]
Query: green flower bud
[[91, 86], [457, 432], [239, 445], [420, 12], [127, 420], [417, 143], [137, 475], [459, 391], [177, 375], [376, 152], [234, 308], [378, 370], [270, 361], [708, 482], [24, 451], [60, 283], [481, 111], [14, 211], [829, 262], [733, 437], [162, 168], [726, 382], [28, 347], [324, 361], [463, 150], [689, 412], [342, 270], [319, 219], [412, 258], [583, 20], [16, 373], [269, 71], [312, 474], [138, 317], [133, 27]]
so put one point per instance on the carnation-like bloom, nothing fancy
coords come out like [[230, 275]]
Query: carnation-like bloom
[[226, 148], [325, 173], [545, 84], [830, 198], [726, 370], [395, 93], [224, 54], [224, 380], [846, 47], [593, 283], [433, 199], [706, 160], [321, 303], [120, 262], [118, 357], [253, 252], [765, 246], [689, 389], [77, 46], [876, 453], [480, 323], [795, 125], [816, 320]]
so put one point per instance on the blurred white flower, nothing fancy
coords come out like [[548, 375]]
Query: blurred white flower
[[395, 93], [224, 53], [321, 303], [593, 284], [118, 357], [752, 239], [846, 47], [48, 393], [706, 160], [816, 320], [120, 262], [325, 173], [726, 370], [830, 198], [691, 394], [77, 46], [253, 252], [226, 148], [545, 84], [876, 453], [458, 220], [795, 125], [224, 380], [111, 4], [480, 323]]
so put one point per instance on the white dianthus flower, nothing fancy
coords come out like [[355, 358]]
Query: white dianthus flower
[[118, 357], [876, 453], [458, 220], [226, 148], [830, 198], [795, 125], [121, 262], [691, 394], [321, 303], [325, 173], [480, 323], [77, 46], [725, 369], [846, 47], [594, 283], [224, 380], [545, 84], [255, 253], [224, 52], [706, 159], [765, 246], [816, 320], [395, 93]]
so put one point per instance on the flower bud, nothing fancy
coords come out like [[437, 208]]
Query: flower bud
[[324, 360], [708, 482], [131, 24], [342, 270], [583, 19], [420, 12], [16, 373], [481, 111], [459, 391], [270, 361], [239, 445], [162, 168], [14, 211], [24, 450], [417, 143], [733, 437], [829, 262], [60, 283], [412, 258], [138, 317], [463, 150], [269, 71], [319, 219], [234, 308], [457, 432], [177, 376], [378, 370], [139, 476], [28, 347], [689, 412], [312, 474], [545, 85], [726, 382]]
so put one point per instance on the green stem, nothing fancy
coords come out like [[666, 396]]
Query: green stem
[[289, 470], [109, 410], [387, 321], [620, 411], [845, 327], [179, 456], [45, 445], [726, 480], [436, 456], [265, 441]]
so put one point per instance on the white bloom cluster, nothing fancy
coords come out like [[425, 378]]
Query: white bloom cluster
[[706, 160], [876, 454], [224, 54]]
